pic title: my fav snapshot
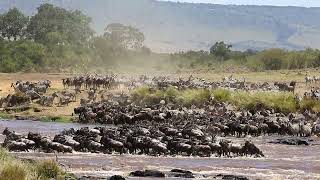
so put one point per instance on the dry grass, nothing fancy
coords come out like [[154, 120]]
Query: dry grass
[[15, 169], [49, 170]]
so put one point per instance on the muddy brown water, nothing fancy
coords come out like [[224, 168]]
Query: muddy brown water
[[281, 161]]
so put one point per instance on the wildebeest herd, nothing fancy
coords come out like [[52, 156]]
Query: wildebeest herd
[[96, 86], [162, 128], [108, 81], [218, 118], [130, 139]]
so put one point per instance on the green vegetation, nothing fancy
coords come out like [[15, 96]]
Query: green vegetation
[[271, 59], [310, 104], [15, 169], [5, 115], [123, 36], [56, 39], [149, 96], [59, 40], [280, 101], [221, 50], [61, 119], [49, 170]]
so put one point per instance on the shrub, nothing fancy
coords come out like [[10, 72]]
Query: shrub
[[310, 104], [280, 101], [221, 95], [169, 94], [13, 171], [4, 155], [194, 97], [184, 97], [48, 169], [139, 93]]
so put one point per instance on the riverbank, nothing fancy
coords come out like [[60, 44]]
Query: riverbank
[[18, 168]]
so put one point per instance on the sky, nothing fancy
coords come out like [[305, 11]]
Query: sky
[[304, 3]]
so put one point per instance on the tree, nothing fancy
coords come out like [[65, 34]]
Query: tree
[[22, 55], [220, 49], [106, 50], [71, 25], [13, 25], [272, 59], [29, 54], [125, 36]]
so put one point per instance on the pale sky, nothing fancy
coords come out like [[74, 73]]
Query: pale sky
[[304, 3]]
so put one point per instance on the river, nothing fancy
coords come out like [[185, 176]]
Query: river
[[281, 161]]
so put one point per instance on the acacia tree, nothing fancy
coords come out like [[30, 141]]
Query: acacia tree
[[13, 25], [125, 36], [72, 26], [220, 49]]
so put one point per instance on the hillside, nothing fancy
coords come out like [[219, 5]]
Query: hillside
[[172, 26]]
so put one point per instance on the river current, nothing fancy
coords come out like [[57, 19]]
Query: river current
[[281, 161]]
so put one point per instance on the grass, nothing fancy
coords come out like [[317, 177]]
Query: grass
[[5, 115], [14, 171], [279, 101], [49, 170], [61, 119], [149, 96], [310, 104], [12, 168], [194, 97]]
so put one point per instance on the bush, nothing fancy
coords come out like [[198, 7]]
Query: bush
[[187, 97], [13, 171], [194, 97], [280, 101], [48, 169], [169, 94], [22, 56], [221, 95], [310, 104], [4, 155], [140, 94]]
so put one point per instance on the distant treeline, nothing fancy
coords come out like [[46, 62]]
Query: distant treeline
[[270, 59], [60, 40], [56, 39]]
